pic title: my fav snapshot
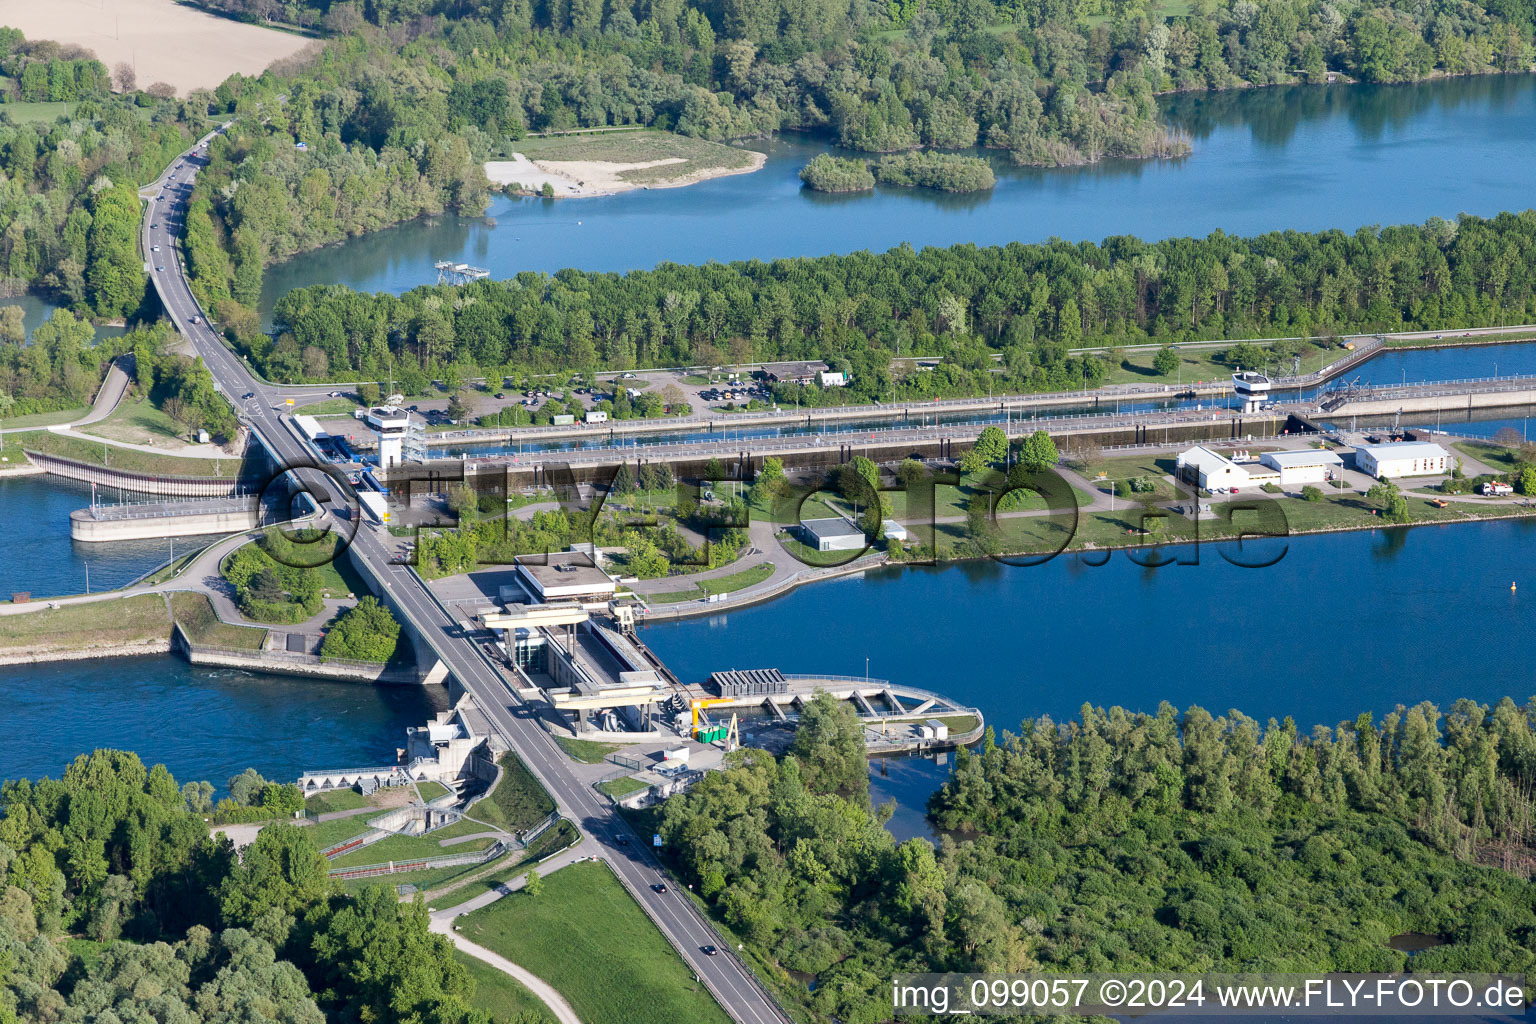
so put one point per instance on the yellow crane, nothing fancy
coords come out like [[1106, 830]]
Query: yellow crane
[[699, 704]]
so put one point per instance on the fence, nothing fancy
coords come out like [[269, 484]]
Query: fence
[[393, 867], [139, 483]]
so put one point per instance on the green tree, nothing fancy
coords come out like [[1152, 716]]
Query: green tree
[[1037, 452], [1165, 362], [829, 744], [365, 632], [990, 449]]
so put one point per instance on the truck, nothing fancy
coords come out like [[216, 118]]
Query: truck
[[375, 505], [1494, 489]]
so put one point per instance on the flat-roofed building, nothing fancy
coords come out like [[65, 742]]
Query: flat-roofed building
[[1307, 466], [1402, 458], [833, 534], [389, 424], [565, 576]]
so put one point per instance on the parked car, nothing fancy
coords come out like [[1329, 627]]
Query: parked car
[[501, 394]]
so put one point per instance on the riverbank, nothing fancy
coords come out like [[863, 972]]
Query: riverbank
[[572, 166]]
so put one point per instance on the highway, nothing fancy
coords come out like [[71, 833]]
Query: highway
[[257, 405]]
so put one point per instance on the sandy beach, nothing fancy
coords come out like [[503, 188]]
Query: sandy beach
[[166, 42], [587, 178]]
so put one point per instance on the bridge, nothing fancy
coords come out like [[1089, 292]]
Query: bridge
[[427, 619]]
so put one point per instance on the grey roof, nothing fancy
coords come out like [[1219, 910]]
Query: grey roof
[[834, 527]]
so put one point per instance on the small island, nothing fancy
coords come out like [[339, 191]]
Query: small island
[[947, 172], [828, 173]]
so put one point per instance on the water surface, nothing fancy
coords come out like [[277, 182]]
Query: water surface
[[1298, 157]]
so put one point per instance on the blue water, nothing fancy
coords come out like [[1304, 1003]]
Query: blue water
[[201, 723], [1304, 157], [42, 559], [1344, 623]]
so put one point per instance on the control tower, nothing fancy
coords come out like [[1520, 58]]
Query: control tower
[[390, 424], [1252, 389]]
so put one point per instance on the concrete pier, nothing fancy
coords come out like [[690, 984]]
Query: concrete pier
[[164, 519]]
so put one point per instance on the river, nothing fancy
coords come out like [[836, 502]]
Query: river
[[1344, 623], [1301, 157], [201, 723]]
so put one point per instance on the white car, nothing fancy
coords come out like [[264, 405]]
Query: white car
[[154, 248]]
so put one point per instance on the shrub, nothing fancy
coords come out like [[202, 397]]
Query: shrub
[[943, 171], [1270, 488], [1310, 493], [827, 173]]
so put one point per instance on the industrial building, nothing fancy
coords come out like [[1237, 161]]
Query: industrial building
[[1307, 466], [1402, 458], [833, 534], [565, 576], [1210, 469]]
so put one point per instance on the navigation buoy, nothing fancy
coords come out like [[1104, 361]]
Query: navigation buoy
[[1511, 585]]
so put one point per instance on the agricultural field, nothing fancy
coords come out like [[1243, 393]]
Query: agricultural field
[[165, 41]]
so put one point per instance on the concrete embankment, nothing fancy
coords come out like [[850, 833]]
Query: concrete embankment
[[1452, 403], [44, 654], [171, 519]]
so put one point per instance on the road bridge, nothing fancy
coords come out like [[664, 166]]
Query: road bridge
[[516, 723]]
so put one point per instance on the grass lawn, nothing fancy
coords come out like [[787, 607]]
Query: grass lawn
[[1121, 528], [727, 584], [498, 994], [44, 112], [83, 626], [587, 751], [1494, 456], [131, 459], [430, 790], [45, 419], [398, 848], [621, 787], [517, 802], [328, 407], [203, 626], [139, 422], [487, 876], [697, 155], [336, 800], [584, 917], [422, 880], [327, 834]]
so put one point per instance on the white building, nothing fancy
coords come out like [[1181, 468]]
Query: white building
[[1403, 458], [1307, 466], [597, 416], [566, 574], [832, 379], [389, 424], [1210, 469], [833, 534]]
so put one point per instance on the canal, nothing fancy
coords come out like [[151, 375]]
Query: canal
[[1342, 624]]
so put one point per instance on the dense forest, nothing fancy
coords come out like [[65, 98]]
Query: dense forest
[[1060, 82], [68, 201], [165, 923], [1030, 304], [1128, 842]]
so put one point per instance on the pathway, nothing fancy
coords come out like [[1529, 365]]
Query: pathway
[[107, 396], [442, 922]]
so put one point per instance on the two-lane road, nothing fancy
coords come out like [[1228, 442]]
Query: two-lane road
[[732, 983]]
